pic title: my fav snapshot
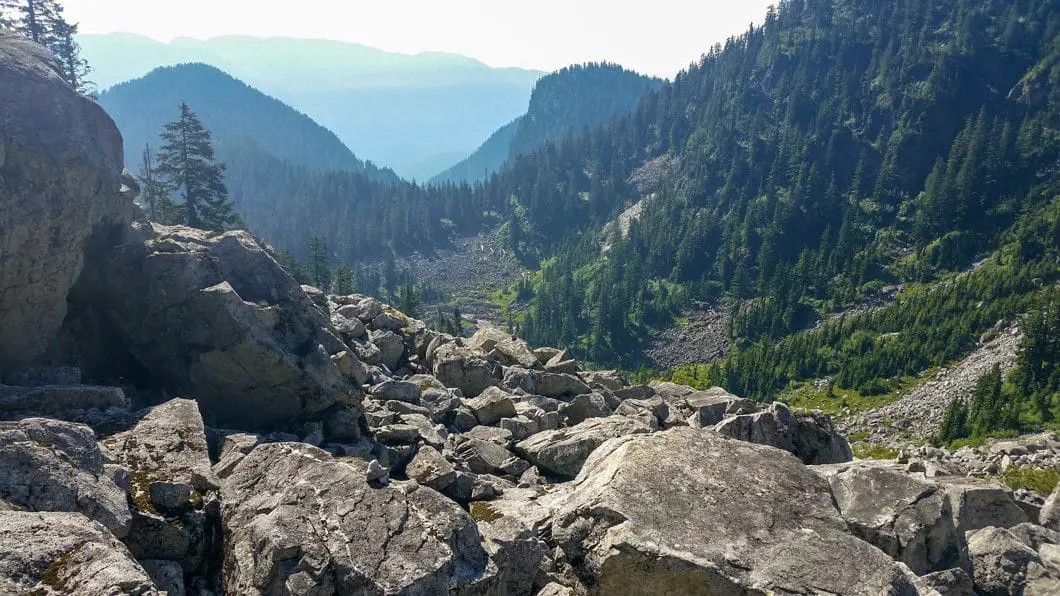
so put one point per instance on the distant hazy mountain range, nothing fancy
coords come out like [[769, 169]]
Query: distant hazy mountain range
[[417, 114]]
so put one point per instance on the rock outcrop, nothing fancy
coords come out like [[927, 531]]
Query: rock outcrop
[[298, 522], [215, 316], [60, 176], [49, 465], [52, 554], [724, 517]]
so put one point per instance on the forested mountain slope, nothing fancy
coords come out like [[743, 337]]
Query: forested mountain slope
[[239, 116], [562, 104], [414, 113], [840, 146]]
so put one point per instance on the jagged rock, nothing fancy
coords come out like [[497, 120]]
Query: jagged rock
[[391, 348], [546, 354], [396, 434], [491, 405], [1034, 535], [60, 167], [315, 294], [710, 407], [640, 392], [172, 479], [65, 553], [811, 438], [213, 316], [397, 390], [490, 434], [464, 369], [291, 511], [547, 384], [483, 457], [430, 433], [951, 582], [1002, 565], [50, 465], [608, 379], [57, 401], [509, 350], [430, 469], [729, 518], [342, 425], [554, 589], [562, 452], [387, 322], [350, 367], [168, 576], [349, 328], [976, 505], [520, 427], [1050, 514], [567, 367], [585, 406], [906, 518], [516, 547]]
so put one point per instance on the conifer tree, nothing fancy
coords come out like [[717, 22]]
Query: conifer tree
[[187, 161], [75, 69], [154, 191], [318, 262], [342, 282]]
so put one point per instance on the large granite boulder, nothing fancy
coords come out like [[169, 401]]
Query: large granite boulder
[[48, 465], [905, 517], [1003, 566], [810, 437], [689, 512], [463, 368], [562, 452], [507, 349], [215, 317], [297, 521], [52, 554], [60, 177]]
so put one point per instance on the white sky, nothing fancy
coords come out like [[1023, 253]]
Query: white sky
[[658, 37]]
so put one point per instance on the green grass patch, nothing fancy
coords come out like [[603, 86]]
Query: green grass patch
[[1040, 480], [868, 451]]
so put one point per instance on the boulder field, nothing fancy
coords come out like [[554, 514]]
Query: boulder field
[[179, 416]]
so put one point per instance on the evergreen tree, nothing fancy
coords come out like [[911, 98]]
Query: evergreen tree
[[954, 423], [75, 69], [342, 282], [187, 160], [458, 321], [318, 262], [36, 19], [154, 192]]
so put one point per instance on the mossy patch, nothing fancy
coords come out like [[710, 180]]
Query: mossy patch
[[53, 575], [482, 511]]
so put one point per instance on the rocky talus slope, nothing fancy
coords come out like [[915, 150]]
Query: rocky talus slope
[[191, 421]]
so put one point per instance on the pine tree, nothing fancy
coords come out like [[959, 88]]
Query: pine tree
[[458, 321], [75, 69], [187, 160], [154, 192], [318, 261], [35, 20], [342, 282], [955, 423]]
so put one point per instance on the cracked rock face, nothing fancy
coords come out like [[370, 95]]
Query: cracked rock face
[[48, 465], [296, 521], [907, 518], [65, 553], [726, 517], [59, 180]]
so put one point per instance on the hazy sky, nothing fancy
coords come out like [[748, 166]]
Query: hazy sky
[[655, 36]]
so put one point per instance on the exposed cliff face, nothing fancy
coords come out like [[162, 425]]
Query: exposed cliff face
[[60, 176]]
